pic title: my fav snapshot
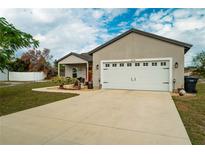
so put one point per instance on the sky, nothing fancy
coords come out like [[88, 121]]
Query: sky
[[81, 30]]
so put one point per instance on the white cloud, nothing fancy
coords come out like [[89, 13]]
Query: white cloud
[[167, 18], [40, 37], [139, 11], [97, 14], [70, 37], [112, 13], [190, 23], [64, 30], [156, 16], [187, 25], [122, 24], [182, 13], [80, 30]]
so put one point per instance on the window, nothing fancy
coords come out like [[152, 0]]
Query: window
[[154, 64], [145, 64], [114, 65], [137, 64], [107, 65], [121, 64], [129, 64], [74, 73], [163, 63]]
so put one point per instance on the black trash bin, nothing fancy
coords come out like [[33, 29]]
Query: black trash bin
[[90, 85], [190, 84]]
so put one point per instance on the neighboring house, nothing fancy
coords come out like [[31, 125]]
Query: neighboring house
[[190, 71], [133, 60]]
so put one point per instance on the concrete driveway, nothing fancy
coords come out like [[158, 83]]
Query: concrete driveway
[[98, 117]]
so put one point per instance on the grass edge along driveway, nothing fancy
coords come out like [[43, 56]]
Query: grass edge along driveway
[[192, 112], [21, 97]]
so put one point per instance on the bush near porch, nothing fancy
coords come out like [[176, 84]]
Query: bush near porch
[[61, 81]]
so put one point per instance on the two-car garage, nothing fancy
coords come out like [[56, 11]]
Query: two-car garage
[[137, 74]]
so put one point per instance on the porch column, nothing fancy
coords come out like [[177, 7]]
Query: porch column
[[58, 69], [87, 64]]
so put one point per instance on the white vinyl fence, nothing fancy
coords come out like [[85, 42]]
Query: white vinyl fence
[[26, 76], [4, 75]]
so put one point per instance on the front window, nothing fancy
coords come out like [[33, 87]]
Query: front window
[[163, 63], [121, 64], [145, 64], [74, 73], [129, 64], [137, 64], [154, 64], [114, 65]]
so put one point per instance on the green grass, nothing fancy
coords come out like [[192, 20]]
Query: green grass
[[192, 112], [2, 84], [20, 97]]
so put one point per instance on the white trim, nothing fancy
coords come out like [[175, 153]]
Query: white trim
[[142, 59], [170, 75], [101, 68]]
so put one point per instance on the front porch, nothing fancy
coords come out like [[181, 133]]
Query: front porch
[[81, 71], [77, 66]]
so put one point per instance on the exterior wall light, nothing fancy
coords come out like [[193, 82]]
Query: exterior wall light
[[176, 65], [97, 67]]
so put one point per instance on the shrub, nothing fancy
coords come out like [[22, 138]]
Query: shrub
[[199, 62], [61, 81]]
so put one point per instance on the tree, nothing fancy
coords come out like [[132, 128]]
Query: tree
[[18, 65], [199, 61], [37, 60], [11, 40]]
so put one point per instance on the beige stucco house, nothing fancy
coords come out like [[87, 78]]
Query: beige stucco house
[[134, 60]]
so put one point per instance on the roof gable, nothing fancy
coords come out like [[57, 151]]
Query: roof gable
[[83, 56], [179, 43]]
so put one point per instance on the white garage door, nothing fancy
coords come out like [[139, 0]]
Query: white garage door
[[136, 75]]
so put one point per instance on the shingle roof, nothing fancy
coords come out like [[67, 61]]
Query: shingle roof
[[84, 56], [88, 56], [179, 43]]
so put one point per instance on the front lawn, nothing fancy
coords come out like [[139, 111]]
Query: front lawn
[[3, 84], [192, 112], [21, 97]]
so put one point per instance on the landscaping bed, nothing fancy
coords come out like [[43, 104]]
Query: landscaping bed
[[192, 112], [20, 97]]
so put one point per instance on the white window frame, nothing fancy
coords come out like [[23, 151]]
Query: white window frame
[[142, 60], [114, 64], [155, 64], [122, 65]]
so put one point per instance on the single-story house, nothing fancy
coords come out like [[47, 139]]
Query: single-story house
[[133, 60]]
